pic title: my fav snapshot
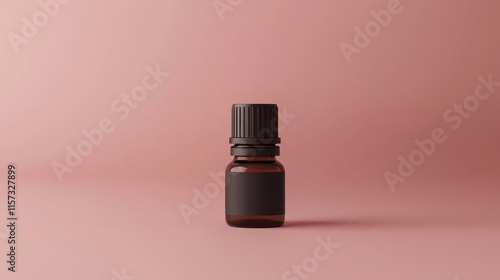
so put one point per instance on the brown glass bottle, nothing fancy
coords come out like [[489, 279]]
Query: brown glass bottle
[[250, 165], [255, 179]]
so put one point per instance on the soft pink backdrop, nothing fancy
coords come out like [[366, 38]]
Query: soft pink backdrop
[[119, 207]]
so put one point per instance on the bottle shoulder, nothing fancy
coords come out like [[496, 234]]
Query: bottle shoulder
[[255, 166]]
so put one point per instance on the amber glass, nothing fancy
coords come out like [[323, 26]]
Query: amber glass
[[255, 164]]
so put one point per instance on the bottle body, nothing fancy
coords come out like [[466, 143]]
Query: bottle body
[[255, 192]]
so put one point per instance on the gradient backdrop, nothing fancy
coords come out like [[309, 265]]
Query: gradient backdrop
[[354, 95]]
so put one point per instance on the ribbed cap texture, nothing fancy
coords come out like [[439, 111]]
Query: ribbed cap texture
[[250, 121]]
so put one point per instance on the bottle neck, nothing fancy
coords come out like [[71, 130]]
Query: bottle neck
[[251, 159]]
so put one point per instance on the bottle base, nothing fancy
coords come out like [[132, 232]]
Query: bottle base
[[260, 221]]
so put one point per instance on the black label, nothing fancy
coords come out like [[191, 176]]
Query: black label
[[255, 193]]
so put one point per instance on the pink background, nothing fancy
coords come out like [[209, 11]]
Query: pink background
[[119, 208]]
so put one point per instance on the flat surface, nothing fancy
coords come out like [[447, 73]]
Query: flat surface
[[93, 230]]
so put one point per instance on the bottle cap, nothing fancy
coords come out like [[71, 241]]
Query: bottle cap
[[254, 130], [254, 124]]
